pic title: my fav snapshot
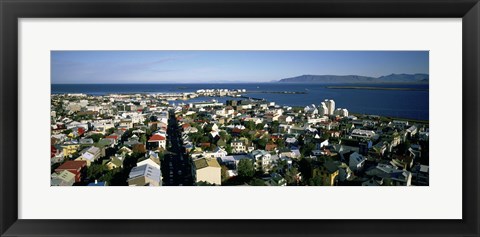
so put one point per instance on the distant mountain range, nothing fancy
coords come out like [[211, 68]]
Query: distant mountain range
[[334, 79]]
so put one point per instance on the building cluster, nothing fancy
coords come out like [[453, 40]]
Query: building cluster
[[123, 140]]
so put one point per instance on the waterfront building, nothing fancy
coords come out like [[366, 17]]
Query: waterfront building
[[323, 109]]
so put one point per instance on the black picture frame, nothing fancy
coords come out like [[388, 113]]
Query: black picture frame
[[11, 11]]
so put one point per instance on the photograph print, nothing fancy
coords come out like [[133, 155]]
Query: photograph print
[[239, 118]]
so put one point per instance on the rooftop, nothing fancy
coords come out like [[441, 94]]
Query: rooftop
[[203, 163], [72, 165]]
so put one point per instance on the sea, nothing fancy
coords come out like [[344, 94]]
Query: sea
[[411, 103]]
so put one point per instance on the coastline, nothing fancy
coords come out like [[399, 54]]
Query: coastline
[[376, 88]]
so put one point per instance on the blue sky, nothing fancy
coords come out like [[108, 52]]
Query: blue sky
[[87, 67]]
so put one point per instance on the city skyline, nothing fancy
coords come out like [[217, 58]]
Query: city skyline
[[157, 67]]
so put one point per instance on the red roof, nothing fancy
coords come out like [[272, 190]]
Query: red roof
[[156, 138], [112, 137], [270, 147], [72, 165], [80, 131]]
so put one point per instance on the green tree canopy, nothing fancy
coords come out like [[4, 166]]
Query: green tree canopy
[[291, 176], [224, 173], [96, 137], [257, 182], [245, 168]]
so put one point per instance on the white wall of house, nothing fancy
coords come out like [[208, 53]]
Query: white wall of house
[[210, 174]]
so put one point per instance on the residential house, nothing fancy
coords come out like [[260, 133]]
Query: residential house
[[157, 142], [208, 170], [420, 174], [90, 155], [64, 178], [151, 158], [402, 162], [391, 175], [262, 160], [145, 175], [285, 119], [115, 162], [125, 151], [217, 153], [275, 179], [115, 137], [133, 140], [271, 147], [356, 162], [238, 146], [69, 148], [75, 167], [327, 173], [126, 123], [232, 161]]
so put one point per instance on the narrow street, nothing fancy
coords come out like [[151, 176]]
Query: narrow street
[[176, 166]]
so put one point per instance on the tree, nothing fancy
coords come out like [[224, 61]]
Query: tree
[[95, 171], [223, 135], [143, 139], [228, 149], [257, 182], [221, 143], [280, 143], [262, 143], [250, 125], [204, 139], [224, 173], [245, 168], [212, 147], [291, 176], [109, 175], [260, 126], [316, 181], [110, 130], [305, 167], [274, 126], [96, 137], [307, 149]]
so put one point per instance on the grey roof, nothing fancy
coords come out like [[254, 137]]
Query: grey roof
[[145, 170]]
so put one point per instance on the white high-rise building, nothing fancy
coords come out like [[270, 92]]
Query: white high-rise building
[[341, 112], [331, 106], [323, 109]]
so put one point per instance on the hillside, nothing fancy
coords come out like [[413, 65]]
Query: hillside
[[335, 79]]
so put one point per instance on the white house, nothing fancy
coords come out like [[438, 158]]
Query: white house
[[208, 170], [238, 146], [263, 160], [145, 175]]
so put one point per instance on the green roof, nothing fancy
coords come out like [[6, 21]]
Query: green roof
[[202, 163]]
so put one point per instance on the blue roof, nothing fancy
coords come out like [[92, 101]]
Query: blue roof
[[97, 184]]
